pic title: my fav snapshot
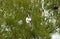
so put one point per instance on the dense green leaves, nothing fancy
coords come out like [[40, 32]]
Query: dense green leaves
[[12, 11]]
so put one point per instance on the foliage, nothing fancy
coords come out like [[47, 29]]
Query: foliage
[[11, 11]]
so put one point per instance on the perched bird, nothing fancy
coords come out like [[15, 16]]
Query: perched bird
[[28, 19]]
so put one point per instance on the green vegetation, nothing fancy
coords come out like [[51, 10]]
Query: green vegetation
[[12, 11]]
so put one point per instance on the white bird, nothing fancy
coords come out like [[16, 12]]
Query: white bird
[[28, 19]]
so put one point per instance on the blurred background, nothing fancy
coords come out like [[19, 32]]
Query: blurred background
[[44, 15]]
